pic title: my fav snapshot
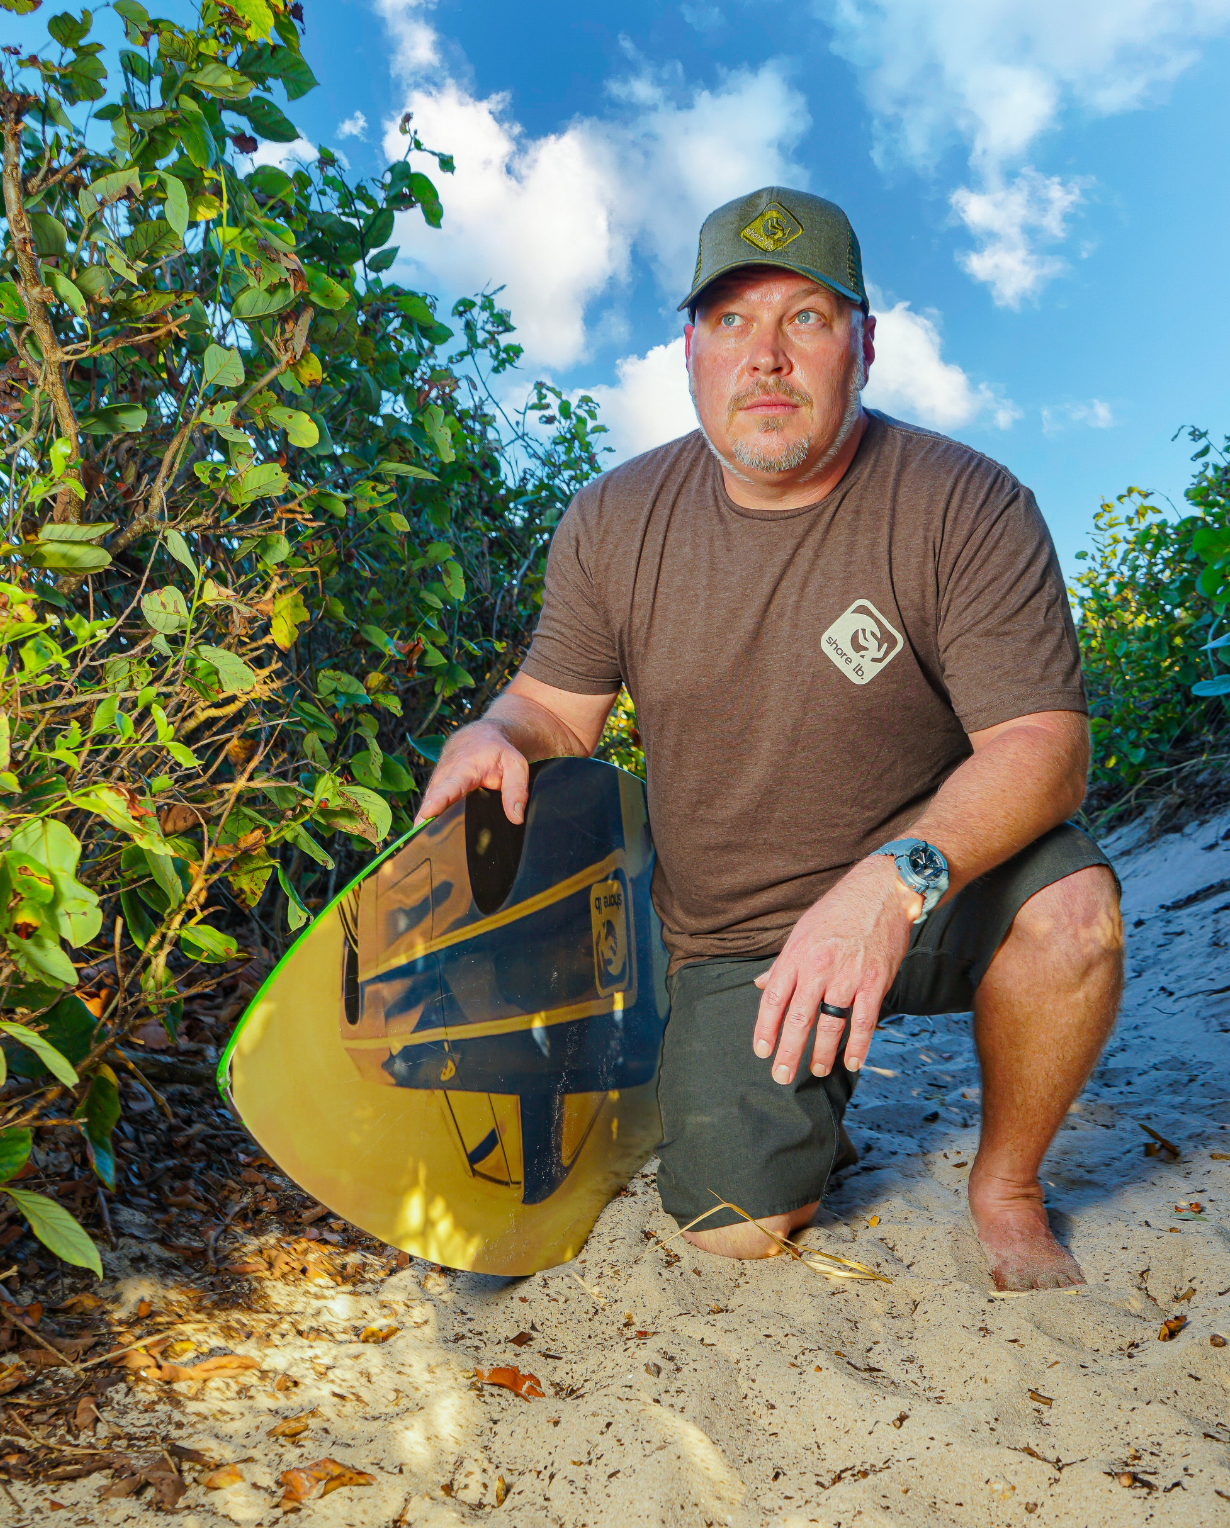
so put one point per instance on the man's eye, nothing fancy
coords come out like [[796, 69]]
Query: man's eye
[[729, 320], [807, 317]]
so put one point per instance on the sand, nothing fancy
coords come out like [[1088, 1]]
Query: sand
[[681, 1388]]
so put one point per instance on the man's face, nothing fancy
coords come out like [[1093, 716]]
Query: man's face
[[776, 363]]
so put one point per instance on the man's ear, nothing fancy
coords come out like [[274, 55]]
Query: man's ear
[[688, 331], [869, 340]]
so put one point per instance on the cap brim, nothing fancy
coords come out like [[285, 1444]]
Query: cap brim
[[801, 270]]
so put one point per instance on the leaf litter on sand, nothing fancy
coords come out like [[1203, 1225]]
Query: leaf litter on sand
[[312, 1480], [827, 1264], [527, 1386]]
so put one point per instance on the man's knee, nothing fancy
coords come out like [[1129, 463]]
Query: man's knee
[[1073, 924]]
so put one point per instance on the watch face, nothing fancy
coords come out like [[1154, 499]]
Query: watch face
[[928, 864]]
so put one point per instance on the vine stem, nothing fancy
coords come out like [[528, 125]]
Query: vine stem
[[35, 295]]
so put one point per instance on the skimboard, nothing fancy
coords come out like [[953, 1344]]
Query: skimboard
[[460, 1054]]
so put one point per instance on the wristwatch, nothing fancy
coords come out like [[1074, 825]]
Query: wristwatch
[[922, 868]]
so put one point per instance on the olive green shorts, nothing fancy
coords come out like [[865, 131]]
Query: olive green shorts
[[729, 1129]]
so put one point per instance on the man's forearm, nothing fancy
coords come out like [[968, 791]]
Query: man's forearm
[[1021, 782], [534, 730]]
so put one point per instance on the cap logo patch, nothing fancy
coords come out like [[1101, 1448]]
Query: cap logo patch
[[772, 230]]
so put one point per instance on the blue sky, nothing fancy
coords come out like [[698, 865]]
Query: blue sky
[[1039, 187]]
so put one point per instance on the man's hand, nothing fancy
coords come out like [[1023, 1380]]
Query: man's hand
[[844, 950], [479, 754], [530, 720]]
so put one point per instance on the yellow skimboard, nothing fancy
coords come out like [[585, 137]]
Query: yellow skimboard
[[460, 1054]]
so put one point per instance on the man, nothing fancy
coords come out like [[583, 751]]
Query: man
[[858, 687]]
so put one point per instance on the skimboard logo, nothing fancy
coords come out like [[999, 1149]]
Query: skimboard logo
[[861, 642], [608, 911]]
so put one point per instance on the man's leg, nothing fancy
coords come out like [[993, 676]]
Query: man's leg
[[1043, 1012], [746, 1240]]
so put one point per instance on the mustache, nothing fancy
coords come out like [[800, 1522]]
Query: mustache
[[767, 390]]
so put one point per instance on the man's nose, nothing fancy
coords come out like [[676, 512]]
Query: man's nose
[[768, 356]]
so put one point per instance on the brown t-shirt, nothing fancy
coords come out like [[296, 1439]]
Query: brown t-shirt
[[804, 679]]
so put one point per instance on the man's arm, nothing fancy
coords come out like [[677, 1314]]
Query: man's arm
[[529, 720], [1024, 777]]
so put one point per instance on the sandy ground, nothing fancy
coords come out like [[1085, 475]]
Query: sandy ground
[[685, 1389]]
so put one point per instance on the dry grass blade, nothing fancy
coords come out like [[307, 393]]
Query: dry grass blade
[[828, 1264]]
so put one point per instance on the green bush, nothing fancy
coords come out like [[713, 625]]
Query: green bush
[[265, 536], [1151, 603]]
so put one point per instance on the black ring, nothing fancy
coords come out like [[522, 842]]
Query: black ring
[[836, 1013]]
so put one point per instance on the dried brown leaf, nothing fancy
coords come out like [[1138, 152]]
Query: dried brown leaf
[[225, 1475], [1171, 1328], [378, 1333], [527, 1386], [313, 1480]]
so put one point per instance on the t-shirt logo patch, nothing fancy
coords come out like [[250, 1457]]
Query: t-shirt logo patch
[[861, 642], [772, 230]]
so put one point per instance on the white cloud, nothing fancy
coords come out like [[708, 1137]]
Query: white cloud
[[649, 403], [910, 378], [1095, 415], [285, 156], [1010, 220], [415, 43], [996, 75], [355, 126], [703, 17], [556, 218]]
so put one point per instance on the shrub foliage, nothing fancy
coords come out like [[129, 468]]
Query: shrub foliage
[[265, 534]]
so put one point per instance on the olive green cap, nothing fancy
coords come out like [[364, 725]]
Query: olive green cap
[[788, 229]]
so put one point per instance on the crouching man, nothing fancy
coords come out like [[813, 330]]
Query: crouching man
[[858, 688]]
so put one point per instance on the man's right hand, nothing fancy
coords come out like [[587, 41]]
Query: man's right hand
[[479, 754], [530, 720]]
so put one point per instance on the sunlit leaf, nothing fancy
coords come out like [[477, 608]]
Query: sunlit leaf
[[56, 1229]]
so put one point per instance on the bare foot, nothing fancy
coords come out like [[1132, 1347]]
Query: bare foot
[[1012, 1228]]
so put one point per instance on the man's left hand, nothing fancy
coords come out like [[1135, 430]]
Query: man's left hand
[[845, 950]]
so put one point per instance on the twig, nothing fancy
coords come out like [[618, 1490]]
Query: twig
[[105, 1217], [42, 1342], [145, 1083]]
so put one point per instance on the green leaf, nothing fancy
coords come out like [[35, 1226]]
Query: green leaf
[[217, 80], [108, 188], [406, 469], [1218, 686], [256, 16], [259, 302], [299, 427], [383, 259], [164, 609], [260, 482], [75, 907], [50, 235], [433, 422], [182, 754], [264, 62], [296, 914], [65, 290], [177, 203], [198, 142], [430, 747], [99, 1111], [151, 241], [323, 291], [200, 942], [57, 1230], [115, 419], [66, 556], [11, 305], [178, 549], [223, 368], [267, 120], [112, 805], [59, 1066], [377, 228], [234, 675], [14, 1152]]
